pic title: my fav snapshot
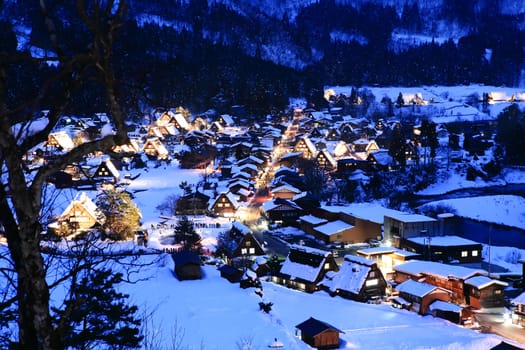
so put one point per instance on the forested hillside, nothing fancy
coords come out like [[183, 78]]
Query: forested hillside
[[218, 53]]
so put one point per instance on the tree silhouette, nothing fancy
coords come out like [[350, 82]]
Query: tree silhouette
[[80, 67], [100, 315], [186, 235]]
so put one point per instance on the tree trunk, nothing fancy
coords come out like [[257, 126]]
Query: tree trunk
[[20, 216], [35, 326]]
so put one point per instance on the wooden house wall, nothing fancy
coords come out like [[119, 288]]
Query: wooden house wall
[[248, 242], [223, 207], [394, 227], [428, 299], [326, 339], [307, 227], [191, 206], [456, 286], [445, 253], [284, 194], [297, 283], [362, 230], [378, 289], [81, 217], [188, 272], [400, 277], [288, 216], [489, 297], [341, 236], [325, 214]]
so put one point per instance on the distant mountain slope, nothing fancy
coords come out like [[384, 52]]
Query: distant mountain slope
[[261, 50]]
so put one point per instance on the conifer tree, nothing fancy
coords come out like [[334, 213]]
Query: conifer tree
[[122, 215], [96, 316], [186, 235]]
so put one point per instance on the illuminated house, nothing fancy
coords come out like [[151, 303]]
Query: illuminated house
[[285, 192], [60, 140], [326, 160], [405, 225], [444, 248], [305, 267], [282, 210], [465, 285], [420, 295], [106, 172], [154, 148], [358, 279], [306, 147], [82, 214], [225, 205]]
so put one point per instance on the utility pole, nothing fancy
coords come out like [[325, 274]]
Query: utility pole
[[490, 238]]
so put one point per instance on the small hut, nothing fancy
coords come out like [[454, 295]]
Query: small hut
[[187, 265], [319, 334]]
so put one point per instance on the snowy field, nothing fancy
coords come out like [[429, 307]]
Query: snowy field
[[446, 104], [213, 314]]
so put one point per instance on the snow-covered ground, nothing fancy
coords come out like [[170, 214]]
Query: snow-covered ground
[[213, 314], [446, 104]]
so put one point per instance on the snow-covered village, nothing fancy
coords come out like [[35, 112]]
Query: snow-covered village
[[248, 175], [270, 235]]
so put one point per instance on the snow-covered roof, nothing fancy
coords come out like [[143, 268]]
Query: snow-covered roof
[[443, 241], [303, 262], [243, 229], [444, 306], [311, 219], [251, 159], [481, 282], [520, 299], [333, 227], [401, 301], [406, 217], [286, 188], [350, 277], [368, 211], [291, 155], [244, 192], [183, 123], [359, 260], [83, 200], [419, 289], [416, 267], [228, 119], [386, 250], [275, 203], [63, 139]]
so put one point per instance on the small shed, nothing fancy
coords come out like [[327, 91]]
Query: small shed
[[231, 273], [187, 265], [318, 334]]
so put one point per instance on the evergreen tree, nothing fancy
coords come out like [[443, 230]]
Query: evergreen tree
[[398, 146], [96, 316], [122, 215], [400, 101], [509, 134], [186, 235]]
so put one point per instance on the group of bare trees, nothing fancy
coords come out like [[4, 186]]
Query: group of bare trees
[[67, 72]]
